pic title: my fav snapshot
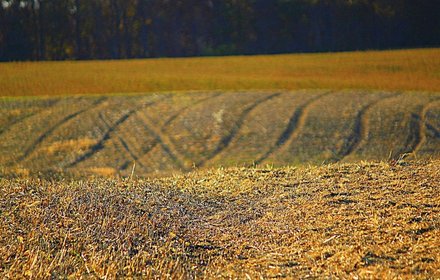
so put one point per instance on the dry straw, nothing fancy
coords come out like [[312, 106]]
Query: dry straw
[[366, 220]]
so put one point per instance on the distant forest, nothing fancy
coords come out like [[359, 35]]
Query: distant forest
[[113, 29]]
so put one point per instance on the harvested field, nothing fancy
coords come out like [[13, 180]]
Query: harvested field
[[156, 134], [364, 220]]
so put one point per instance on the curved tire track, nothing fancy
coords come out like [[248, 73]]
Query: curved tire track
[[124, 145], [138, 159], [10, 125], [110, 129], [17, 121], [421, 127], [295, 125], [433, 129], [178, 113], [166, 124], [226, 140], [48, 132], [164, 142], [361, 129], [130, 152]]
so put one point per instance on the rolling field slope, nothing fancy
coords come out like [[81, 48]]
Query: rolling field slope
[[165, 133], [209, 183], [343, 221]]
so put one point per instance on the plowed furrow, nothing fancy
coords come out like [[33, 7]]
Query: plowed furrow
[[107, 135], [227, 139], [360, 131], [294, 127], [49, 131]]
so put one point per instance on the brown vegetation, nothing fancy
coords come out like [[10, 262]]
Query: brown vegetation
[[363, 220]]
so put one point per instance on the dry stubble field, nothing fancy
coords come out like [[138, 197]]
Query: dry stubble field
[[356, 221]]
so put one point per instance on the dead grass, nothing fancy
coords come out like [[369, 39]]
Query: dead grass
[[78, 145], [103, 171], [381, 70], [365, 220]]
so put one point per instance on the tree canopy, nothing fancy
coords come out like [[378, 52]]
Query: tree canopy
[[112, 29]]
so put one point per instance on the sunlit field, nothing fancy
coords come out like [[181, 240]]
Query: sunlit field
[[417, 69], [169, 133], [249, 167], [343, 221], [219, 139]]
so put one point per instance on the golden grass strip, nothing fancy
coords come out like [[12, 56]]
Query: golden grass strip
[[417, 69]]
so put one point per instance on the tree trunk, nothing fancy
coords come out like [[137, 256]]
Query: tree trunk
[[42, 31]]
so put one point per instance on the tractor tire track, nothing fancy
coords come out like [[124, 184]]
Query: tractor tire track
[[433, 129], [49, 131], [360, 131], [414, 137], [124, 145], [420, 129], [130, 152], [226, 140], [182, 110], [110, 129], [164, 126], [165, 143], [294, 127], [15, 122], [138, 159]]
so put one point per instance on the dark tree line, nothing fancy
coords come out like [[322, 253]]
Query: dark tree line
[[100, 29]]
